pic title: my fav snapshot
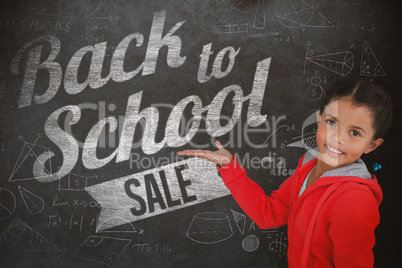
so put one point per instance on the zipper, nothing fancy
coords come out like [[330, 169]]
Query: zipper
[[314, 216], [306, 192]]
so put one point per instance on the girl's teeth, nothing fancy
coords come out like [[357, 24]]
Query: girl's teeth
[[333, 150]]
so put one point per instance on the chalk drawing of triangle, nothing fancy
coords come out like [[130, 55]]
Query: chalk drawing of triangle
[[370, 65], [307, 143], [240, 220], [29, 154]]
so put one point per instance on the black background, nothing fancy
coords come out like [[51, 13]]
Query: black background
[[326, 27]]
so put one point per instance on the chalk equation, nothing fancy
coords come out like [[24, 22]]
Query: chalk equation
[[152, 248], [72, 222]]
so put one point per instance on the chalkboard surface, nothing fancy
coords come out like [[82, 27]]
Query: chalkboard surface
[[97, 96]]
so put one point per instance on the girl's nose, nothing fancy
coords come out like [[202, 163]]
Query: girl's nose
[[337, 137]]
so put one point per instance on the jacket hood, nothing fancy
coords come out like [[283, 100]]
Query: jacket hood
[[355, 172]]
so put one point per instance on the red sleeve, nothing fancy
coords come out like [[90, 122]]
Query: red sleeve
[[266, 211], [353, 219]]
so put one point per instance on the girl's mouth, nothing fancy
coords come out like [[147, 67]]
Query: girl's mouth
[[333, 152]]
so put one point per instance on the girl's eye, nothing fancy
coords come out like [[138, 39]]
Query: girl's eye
[[355, 133], [332, 123]]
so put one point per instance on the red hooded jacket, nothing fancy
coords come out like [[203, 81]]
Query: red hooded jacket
[[331, 224]]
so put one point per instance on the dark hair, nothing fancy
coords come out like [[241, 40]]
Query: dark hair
[[363, 93]]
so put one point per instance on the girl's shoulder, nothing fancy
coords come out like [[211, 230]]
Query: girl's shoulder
[[309, 155], [358, 193]]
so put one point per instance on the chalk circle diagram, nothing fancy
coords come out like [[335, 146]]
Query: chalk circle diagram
[[315, 90], [300, 14], [19, 236], [210, 228], [227, 5], [7, 203], [101, 249], [250, 243]]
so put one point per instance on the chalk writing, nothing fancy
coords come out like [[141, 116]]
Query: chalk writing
[[67, 143], [279, 245], [217, 71], [230, 28], [154, 195], [95, 79], [156, 191], [70, 148], [72, 222], [57, 202], [153, 248], [36, 25]]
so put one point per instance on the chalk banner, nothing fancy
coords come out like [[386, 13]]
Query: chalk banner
[[156, 191]]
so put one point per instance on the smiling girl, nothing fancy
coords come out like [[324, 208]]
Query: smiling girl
[[330, 203]]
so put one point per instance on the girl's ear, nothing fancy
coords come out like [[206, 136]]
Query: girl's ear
[[318, 117], [373, 145]]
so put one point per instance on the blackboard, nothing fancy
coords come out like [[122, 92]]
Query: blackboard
[[97, 96]]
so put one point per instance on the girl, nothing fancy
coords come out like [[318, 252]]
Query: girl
[[331, 201]]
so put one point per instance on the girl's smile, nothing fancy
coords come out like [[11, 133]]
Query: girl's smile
[[333, 152]]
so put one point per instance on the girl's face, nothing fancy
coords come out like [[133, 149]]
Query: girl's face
[[344, 133]]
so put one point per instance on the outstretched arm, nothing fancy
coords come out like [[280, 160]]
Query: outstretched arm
[[266, 211], [222, 157]]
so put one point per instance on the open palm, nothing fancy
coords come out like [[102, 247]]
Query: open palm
[[222, 157]]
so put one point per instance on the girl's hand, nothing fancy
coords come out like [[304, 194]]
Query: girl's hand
[[222, 157]]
